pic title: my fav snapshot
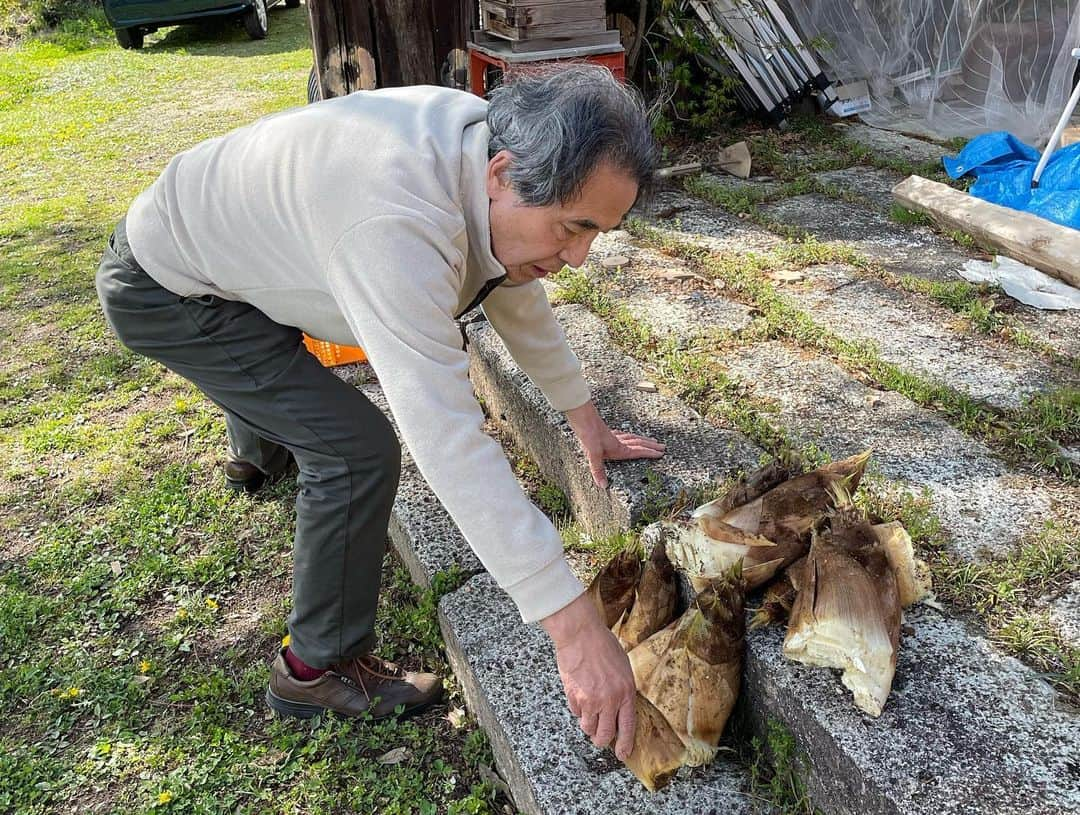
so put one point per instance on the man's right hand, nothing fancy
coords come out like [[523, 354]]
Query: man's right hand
[[595, 673]]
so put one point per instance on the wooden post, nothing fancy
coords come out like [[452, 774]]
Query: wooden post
[[343, 38], [363, 44]]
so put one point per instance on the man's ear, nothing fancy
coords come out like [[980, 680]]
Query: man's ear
[[498, 180]]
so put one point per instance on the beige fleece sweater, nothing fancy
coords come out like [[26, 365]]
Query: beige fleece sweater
[[363, 220]]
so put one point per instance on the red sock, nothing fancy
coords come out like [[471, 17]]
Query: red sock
[[300, 669]]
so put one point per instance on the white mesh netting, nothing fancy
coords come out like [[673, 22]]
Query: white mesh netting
[[950, 68]]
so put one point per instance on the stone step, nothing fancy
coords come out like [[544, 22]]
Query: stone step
[[687, 217], [699, 453], [906, 250], [900, 249], [894, 145], [869, 183], [511, 683], [985, 508], [908, 330], [966, 730]]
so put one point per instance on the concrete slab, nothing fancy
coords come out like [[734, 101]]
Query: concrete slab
[[965, 731], [699, 452], [871, 183], [1064, 611], [893, 145], [916, 335], [757, 186], [663, 291], [901, 249], [686, 217], [511, 683], [422, 534], [985, 508]]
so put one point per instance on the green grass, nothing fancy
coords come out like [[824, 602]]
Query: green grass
[[141, 601], [777, 772]]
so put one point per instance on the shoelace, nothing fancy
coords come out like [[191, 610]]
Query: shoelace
[[365, 665]]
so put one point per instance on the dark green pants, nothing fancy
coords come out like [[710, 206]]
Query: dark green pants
[[276, 395]]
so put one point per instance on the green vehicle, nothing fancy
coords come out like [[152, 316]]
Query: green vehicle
[[134, 19]]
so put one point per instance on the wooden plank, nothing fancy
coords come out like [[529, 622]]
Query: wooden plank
[[343, 42], [1053, 248], [524, 14], [568, 29]]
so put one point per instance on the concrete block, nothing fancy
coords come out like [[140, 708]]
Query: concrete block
[[965, 731], [985, 508], [894, 145], [871, 183], [688, 218], [902, 250], [511, 683], [915, 334], [699, 452]]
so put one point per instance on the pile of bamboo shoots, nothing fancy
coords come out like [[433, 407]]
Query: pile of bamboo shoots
[[686, 666], [840, 581]]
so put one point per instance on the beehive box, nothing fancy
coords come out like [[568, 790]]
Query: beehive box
[[537, 19]]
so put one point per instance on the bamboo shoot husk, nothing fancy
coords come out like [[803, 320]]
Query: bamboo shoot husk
[[704, 559], [658, 751], [691, 670], [784, 516], [912, 575], [779, 596], [612, 590], [654, 601], [847, 614]]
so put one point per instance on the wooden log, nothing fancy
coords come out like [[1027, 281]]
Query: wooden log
[[363, 44], [1050, 247], [342, 37]]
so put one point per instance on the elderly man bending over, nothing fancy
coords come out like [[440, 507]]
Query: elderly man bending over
[[376, 219]]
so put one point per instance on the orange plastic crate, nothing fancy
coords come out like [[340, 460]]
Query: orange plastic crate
[[331, 354]]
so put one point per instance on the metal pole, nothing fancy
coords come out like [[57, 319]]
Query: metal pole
[[1051, 145]]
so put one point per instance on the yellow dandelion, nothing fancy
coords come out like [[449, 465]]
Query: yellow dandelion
[[145, 666], [211, 603], [285, 641], [70, 693], [164, 797], [181, 614]]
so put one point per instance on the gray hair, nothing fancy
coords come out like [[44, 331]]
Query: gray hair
[[560, 123]]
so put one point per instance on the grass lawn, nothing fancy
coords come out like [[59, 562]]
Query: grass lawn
[[140, 601]]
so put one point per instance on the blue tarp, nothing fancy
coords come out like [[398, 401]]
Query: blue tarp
[[1003, 167]]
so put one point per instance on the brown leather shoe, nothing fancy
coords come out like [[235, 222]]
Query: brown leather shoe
[[364, 684], [242, 476]]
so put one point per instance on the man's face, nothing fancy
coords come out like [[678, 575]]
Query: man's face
[[533, 242]]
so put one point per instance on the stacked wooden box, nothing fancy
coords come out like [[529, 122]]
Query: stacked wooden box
[[528, 20]]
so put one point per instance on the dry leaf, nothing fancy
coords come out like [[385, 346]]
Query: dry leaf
[[395, 756]]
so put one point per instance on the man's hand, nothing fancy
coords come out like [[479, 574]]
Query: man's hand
[[595, 673], [601, 444]]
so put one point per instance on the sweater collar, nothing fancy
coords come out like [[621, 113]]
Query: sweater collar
[[474, 159]]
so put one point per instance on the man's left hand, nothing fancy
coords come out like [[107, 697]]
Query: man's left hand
[[600, 443]]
